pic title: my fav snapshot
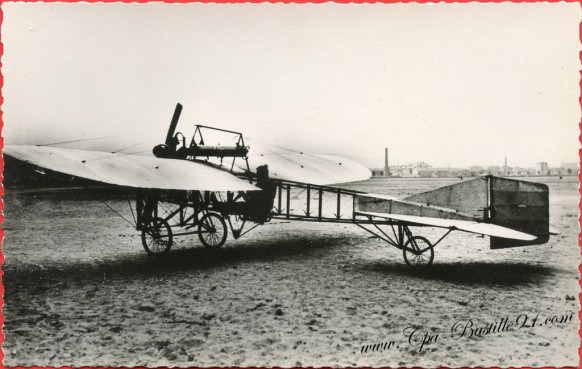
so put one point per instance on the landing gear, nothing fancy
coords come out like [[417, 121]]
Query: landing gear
[[212, 230], [156, 237], [418, 251]]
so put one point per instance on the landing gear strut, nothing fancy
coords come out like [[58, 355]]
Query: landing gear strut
[[417, 250]]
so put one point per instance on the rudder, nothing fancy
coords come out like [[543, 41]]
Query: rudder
[[519, 205]]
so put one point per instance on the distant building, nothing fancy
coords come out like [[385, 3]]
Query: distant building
[[519, 172], [542, 169], [569, 168], [506, 170], [436, 173], [556, 171], [494, 170], [424, 170], [406, 171]]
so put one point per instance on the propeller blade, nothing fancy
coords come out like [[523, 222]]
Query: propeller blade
[[173, 124]]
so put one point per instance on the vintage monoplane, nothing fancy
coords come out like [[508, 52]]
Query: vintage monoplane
[[199, 187]]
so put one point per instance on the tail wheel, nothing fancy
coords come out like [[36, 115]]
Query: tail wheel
[[418, 251], [212, 230], [156, 237]]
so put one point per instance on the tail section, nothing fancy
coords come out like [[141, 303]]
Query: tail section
[[469, 198], [519, 205]]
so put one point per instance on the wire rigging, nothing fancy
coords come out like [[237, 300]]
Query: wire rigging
[[131, 208], [95, 138], [73, 141], [111, 208], [129, 147], [116, 212], [116, 156]]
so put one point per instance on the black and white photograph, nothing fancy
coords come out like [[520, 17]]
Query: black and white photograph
[[291, 185]]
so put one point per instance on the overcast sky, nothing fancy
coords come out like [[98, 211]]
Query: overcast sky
[[448, 84]]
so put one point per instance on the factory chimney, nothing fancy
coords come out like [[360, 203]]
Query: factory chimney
[[386, 167]]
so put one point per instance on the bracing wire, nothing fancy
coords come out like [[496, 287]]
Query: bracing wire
[[131, 209], [129, 147], [278, 154], [116, 156], [293, 151], [73, 141], [116, 212], [93, 139]]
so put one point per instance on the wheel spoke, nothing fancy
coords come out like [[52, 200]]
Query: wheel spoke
[[418, 251], [157, 237], [212, 230]]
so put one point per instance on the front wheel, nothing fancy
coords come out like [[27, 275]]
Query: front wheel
[[418, 251], [156, 237], [212, 230]]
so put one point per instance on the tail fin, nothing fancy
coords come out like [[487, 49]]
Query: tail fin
[[519, 205]]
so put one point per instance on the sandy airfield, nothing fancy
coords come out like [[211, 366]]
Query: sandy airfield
[[80, 290]]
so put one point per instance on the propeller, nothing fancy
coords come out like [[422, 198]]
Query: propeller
[[165, 150], [173, 124]]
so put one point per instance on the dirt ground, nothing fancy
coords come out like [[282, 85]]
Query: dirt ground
[[80, 290]]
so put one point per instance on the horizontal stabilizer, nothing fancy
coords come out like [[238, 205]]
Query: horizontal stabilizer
[[462, 225], [130, 170]]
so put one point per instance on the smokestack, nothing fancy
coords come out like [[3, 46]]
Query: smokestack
[[506, 161], [386, 167]]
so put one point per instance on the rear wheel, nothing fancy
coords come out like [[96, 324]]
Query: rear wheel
[[156, 237], [212, 230], [418, 251]]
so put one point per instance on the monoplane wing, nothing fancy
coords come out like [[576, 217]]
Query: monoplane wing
[[130, 170], [462, 225], [310, 168]]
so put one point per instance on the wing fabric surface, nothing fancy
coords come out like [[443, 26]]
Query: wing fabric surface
[[130, 170], [308, 168], [462, 225]]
